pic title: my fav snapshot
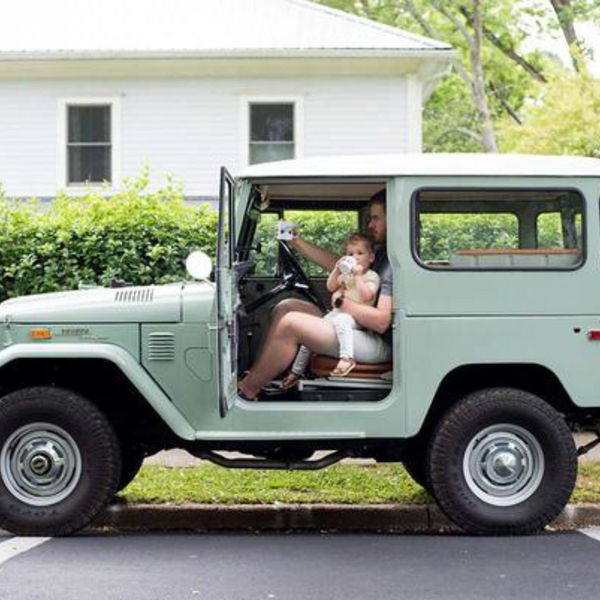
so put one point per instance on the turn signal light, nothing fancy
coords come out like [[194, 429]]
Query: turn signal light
[[40, 334]]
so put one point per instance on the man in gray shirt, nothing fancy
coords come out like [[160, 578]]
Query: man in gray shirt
[[297, 322]]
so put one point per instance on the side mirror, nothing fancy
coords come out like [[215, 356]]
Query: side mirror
[[198, 265]]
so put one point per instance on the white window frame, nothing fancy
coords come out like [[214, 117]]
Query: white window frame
[[115, 139], [297, 101]]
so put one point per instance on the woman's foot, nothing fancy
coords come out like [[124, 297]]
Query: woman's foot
[[290, 381], [343, 368], [244, 394]]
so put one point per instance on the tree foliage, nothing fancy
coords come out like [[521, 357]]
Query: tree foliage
[[469, 110], [564, 119]]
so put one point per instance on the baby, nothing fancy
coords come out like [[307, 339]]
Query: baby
[[361, 284]]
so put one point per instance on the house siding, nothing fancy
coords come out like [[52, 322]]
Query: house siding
[[190, 127]]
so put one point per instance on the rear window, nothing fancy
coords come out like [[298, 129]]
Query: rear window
[[498, 229]]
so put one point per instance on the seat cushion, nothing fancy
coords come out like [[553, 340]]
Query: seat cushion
[[321, 366]]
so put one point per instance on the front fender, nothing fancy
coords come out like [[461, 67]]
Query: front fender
[[123, 360]]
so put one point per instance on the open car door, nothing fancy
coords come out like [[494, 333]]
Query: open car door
[[226, 295]]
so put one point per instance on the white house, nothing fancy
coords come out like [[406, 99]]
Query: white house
[[93, 91]]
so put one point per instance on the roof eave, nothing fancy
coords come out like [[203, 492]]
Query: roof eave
[[375, 53]]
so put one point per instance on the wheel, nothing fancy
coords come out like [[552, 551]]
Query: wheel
[[415, 464], [502, 461], [60, 462], [132, 458]]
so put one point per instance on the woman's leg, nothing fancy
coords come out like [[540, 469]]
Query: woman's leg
[[293, 330], [281, 309]]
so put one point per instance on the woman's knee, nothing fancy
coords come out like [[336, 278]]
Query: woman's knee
[[293, 305], [289, 321]]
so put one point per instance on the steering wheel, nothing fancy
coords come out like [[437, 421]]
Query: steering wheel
[[294, 278]]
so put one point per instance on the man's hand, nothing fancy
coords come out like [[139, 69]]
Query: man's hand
[[377, 318]]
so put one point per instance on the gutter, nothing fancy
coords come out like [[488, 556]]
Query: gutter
[[70, 55]]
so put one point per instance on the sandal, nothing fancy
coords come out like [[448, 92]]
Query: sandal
[[290, 381], [340, 372]]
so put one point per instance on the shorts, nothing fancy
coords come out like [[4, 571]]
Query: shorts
[[369, 348]]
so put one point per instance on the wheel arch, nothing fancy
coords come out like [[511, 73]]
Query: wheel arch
[[465, 379], [109, 376]]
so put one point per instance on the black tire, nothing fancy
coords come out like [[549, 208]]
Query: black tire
[[520, 463], [416, 464], [132, 458], [60, 462]]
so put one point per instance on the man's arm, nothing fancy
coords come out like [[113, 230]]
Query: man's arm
[[320, 256], [377, 318]]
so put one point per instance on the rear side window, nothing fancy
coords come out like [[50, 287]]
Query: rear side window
[[498, 229]]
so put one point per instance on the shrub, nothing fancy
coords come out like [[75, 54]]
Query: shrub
[[139, 236]]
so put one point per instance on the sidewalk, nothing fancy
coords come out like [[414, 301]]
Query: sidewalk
[[278, 517]]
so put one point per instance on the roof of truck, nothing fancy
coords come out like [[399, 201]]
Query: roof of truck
[[387, 165]]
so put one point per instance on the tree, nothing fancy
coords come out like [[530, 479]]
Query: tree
[[461, 114], [494, 78], [565, 119], [567, 13]]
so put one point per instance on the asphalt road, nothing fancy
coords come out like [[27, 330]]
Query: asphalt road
[[289, 567]]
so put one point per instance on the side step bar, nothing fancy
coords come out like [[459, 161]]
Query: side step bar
[[260, 463]]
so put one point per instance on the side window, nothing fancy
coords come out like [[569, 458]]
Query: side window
[[498, 229]]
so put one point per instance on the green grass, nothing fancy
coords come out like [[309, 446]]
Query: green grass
[[344, 484]]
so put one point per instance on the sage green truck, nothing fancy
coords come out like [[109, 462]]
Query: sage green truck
[[496, 347]]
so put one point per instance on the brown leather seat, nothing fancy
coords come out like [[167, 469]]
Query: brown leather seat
[[321, 366]]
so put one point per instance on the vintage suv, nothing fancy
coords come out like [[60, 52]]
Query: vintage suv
[[496, 347]]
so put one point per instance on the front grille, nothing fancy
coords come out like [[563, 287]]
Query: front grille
[[134, 295], [161, 346]]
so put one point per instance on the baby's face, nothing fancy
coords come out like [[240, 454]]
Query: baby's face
[[361, 253]]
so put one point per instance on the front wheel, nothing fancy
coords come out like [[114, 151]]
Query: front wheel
[[60, 462], [502, 461]]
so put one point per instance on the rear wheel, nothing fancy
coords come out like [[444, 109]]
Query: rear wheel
[[502, 461], [415, 464], [132, 458], [59, 462]]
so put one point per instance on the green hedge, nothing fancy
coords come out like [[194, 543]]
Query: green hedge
[[139, 236]]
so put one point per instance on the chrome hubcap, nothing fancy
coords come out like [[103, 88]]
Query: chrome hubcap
[[40, 464], [503, 465]]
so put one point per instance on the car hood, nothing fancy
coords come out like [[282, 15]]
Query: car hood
[[153, 304]]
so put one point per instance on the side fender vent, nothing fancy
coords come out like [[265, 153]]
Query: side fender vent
[[134, 295], [161, 346]]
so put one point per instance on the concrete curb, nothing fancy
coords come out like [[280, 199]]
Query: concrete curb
[[390, 518]]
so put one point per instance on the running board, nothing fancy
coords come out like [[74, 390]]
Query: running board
[[344, 383], [264, 463]]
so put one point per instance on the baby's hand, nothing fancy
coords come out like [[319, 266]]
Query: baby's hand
[[358, 269]]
